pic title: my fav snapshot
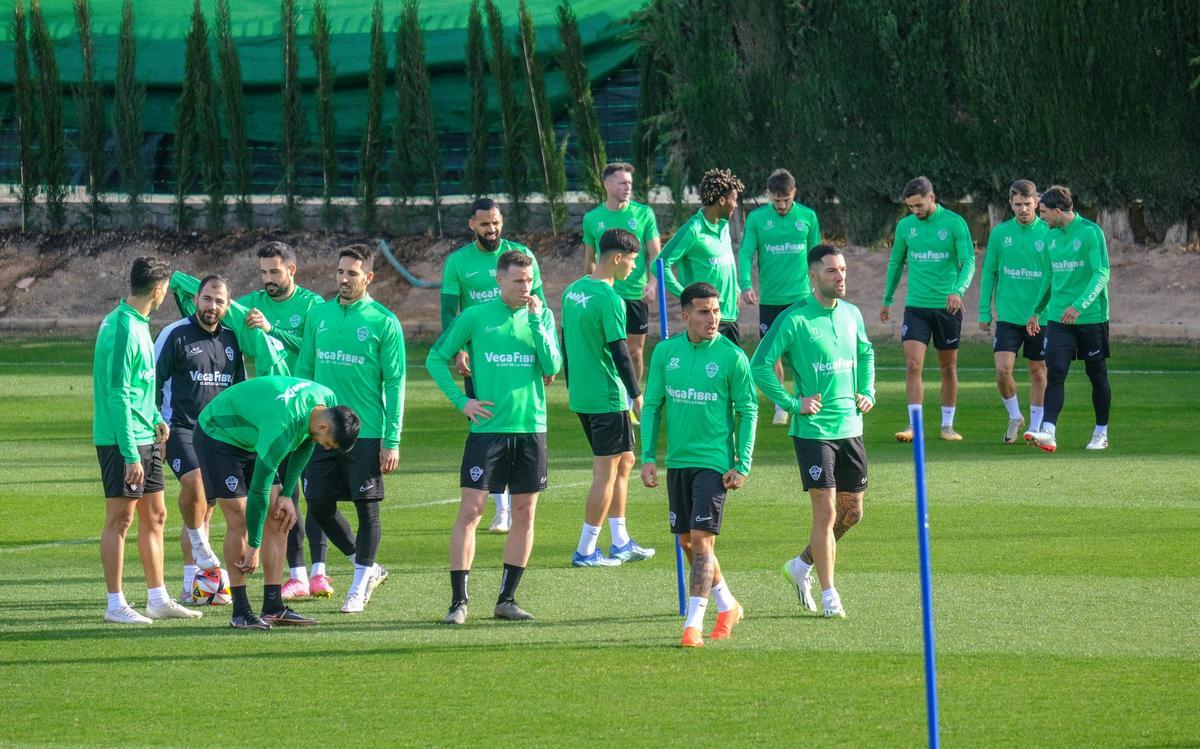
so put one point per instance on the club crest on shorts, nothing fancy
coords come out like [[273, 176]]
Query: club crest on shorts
[[942, 233], [229, 353], [476, 473], [904, 330], [177, 464], [711, 369], [762, 329], [815, 472], [231, 483], [363, 333], [295, 321], [671, 517]]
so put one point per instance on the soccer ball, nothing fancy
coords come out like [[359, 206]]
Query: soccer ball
[[211, 588]]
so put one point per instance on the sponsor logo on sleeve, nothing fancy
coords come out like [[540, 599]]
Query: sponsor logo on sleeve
[[579, 298]]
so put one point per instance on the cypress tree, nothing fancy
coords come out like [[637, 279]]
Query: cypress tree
[[293, 117], [326, 122], [402, 170], [23, 96], [91, 116], [371, 154], [583, 111], [552, 153], [128, 98], [514, 170], [53, 140], [234, 101], [416, 109], [475, 177]]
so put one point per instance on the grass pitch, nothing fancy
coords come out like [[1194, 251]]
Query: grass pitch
[[1065, 589]]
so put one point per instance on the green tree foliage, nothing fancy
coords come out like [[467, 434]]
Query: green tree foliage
[[197, 133], [291, 146], [53, 141], [475, 176], [23, 103], [326, 119], [551, 152], [233, 99], [583, 111], [371, 154], [90, 112], [514, 168], [415, 129], [128, 96]]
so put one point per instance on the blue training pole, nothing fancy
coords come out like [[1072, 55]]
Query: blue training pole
[[915, 420], [662, 322]]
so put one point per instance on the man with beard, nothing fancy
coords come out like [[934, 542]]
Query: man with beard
[[280, 309], [468, 280], [196, 358]]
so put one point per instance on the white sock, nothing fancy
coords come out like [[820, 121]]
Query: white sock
[[189, 577], [299, 573], [802, 567], [1048, 427], [1014, 407], [1101, 430], [196, 536], [318, 568], [116, 601], [157, 596], [725, 600], [361, 571], [620, 536], [778, 410], [503, 501], [1035, 418], [829, 596], [695, 612], [948, 416], [587, 539]]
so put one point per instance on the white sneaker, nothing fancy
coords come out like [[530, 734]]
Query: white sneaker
[[803, 584], [833, 608], [1013, 432], [1099, 442], [780, 418], [171, 610], [356, 601], [205, 557], [1042, 441], [378, 576], [126, 615], [501, 523]]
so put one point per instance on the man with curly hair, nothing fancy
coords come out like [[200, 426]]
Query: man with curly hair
[[703, 251]]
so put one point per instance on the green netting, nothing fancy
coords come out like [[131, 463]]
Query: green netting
[[161, 26]]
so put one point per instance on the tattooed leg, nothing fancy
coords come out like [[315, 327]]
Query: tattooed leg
[[849, 512]]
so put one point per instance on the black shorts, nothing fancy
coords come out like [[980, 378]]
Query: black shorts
[[181, 455], [697, 499], [493, 462], [225, 469], [923, 323], [333, 475], [637, 317], [1087, 342], [767, 314], [112, 471], [608, 433], [730, 330], [828, 464], [1011, 338]]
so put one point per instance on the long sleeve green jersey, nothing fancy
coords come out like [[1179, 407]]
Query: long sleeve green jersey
[[829, 353], [286, 317], [696, 389], [634, 217], [124, 413], [781, 244], [357, 350], [592, 317], [469, 275], [270, 357], [1012, 271], [703, 251], [511, 353], [1076, 273], [940, 257], [267, 416]]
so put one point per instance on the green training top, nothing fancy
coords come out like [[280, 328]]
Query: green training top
[[267, 416], [270, 357], [286, 317], [703, 252], [781, 244], [124, 413], [829, 353], [636, 218], [357, 350], [469, 275], [511, 355], [592, 317], [1012, 270], [940, 257], [700, 386], [1076, 266]]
